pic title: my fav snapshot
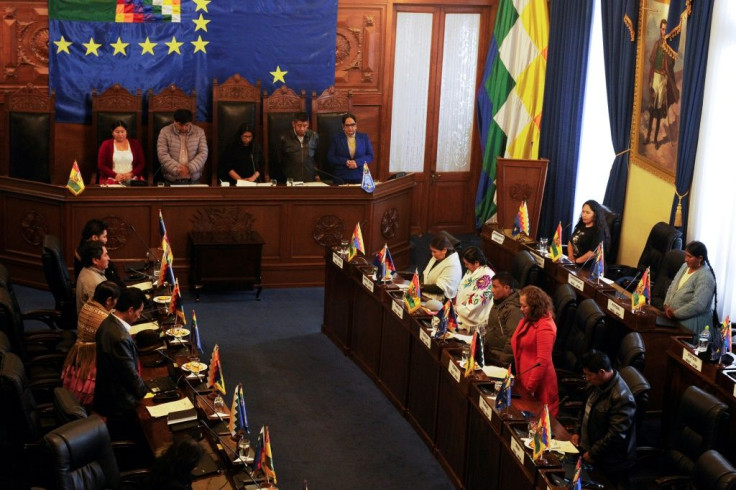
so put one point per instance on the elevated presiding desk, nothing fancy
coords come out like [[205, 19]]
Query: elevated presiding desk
[[294, 224], [500, 248], [479, 446]]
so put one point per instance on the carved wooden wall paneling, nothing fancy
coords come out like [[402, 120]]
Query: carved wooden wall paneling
[[24, 44]]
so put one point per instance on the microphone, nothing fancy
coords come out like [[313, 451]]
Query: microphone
[[529, 369], [328, 174], [633, 281], [149, 250], [586, 262], [236, 454]]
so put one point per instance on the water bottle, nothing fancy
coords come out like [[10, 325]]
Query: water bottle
[[703, 340]]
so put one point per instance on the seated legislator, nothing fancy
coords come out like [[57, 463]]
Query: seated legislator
[[443, 272], [532, 345], [474, 298], [95, 230], [503, 319], [120, 158], [296, 150], [607, 434], [182, 149], [590, 230], [94, 260], [80, 367], [349, 151], [243, 158], [689, 299], [119, 386]]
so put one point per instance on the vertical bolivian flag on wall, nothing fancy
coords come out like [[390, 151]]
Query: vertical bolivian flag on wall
[[150, 44], [509, 109]]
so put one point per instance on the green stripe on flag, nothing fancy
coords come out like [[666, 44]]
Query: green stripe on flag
[[83, 10]]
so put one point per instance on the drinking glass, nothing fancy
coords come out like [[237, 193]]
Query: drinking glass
[[219, 405], [344, 248], [274, 182], [243, 447], [466, 354], [289, 182], [543, 243]]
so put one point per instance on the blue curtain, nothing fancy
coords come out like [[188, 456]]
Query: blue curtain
[[693, 82], [619, 56], [564, 92]]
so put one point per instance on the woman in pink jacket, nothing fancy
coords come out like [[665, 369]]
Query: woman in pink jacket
[[532, 344]]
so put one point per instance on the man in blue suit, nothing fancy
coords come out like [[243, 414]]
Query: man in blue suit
[[349, 151]]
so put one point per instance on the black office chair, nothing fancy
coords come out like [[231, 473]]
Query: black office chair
[[671, 263], [566, 303], [631, 352], [713, 472], [590, 321], [640, 388], [702, 420], [613, 220], [60, 284], [662, 238], [83, 458], [524, 269]]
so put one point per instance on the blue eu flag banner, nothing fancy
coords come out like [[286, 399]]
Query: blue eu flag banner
[[150, 44]]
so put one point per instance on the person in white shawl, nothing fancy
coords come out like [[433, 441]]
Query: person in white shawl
[[474, 298], [443, 272]]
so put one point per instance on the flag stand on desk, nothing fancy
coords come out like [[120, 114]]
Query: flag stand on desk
[[640, 296], [367, 183], [76, 182], [599, 265], [521, 223], [503, 397], [356, 243], [542, 437], [264, 456]]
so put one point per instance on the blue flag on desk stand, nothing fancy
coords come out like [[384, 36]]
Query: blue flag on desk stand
[[599, 266], [577, 480], [503, 398], [385, 264], [448, 320], [367, 184]]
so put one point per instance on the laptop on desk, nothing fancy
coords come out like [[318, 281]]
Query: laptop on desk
[[160, 385]]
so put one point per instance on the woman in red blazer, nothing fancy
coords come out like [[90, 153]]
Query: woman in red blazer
[[532, 343], [120, 158]]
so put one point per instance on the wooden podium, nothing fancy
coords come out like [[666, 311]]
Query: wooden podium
[[517, 181]]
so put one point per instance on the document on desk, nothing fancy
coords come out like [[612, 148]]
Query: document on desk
[[245, 183], [143, 326], [143, 286], [163, 409], [495, 372], [313, 184]]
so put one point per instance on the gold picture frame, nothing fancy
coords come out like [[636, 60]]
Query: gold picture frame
[[655, 120]]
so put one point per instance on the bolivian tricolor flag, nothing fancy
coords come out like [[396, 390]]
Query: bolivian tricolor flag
[[76, 182]]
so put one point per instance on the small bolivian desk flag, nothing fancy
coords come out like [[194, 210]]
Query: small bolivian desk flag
[[413, 294], [641, 294], [76, 182], [555, 249]]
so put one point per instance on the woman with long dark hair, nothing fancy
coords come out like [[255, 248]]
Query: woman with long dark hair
[[443, 272], [690, 296], [590, 230], [243, 157]]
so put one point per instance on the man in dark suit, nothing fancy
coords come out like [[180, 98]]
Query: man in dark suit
[[119, 386], [349, 151]]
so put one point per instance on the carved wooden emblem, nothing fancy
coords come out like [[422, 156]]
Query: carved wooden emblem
[[118, 231], [328, 231], [29, 99], [332, 100], [226, 218], [237, 88], [520, 191], [354, 43], [33, 227], [390, 223], [283, 99], [116, 98], [170, 99]]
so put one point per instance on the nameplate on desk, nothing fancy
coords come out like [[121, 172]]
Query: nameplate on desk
[[517, 450], [337, 260], [454, 370], [367, 283], [575, 282], [498, 237], [540, 260], [425, 338], [485, 408], [692, 360], [398, 309], [616, 308]]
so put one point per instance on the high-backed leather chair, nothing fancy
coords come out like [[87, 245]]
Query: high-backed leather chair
[[524, 269], [29, 137], [631, 352], [671, 263], [116, 104], [326, 118], [565, 302], [662, 238], [713, 472], [613, 220], [640, 388], [60, 284], [234, 102], [161, 108], [590, 322], [278, 112], [702, 422]]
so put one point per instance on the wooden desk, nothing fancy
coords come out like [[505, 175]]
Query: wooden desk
[[296, 223], [222, 257]]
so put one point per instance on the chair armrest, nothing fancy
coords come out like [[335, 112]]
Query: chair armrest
[[134, 478], [48, 317], [673, 481]]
